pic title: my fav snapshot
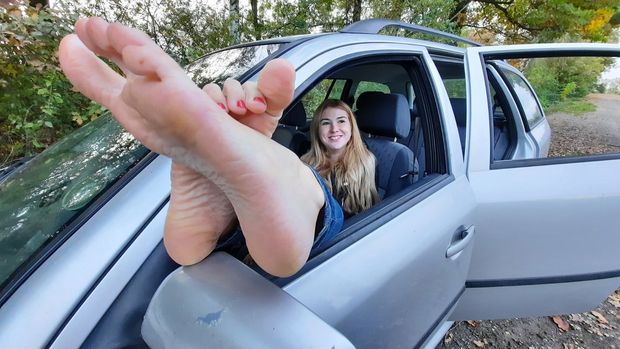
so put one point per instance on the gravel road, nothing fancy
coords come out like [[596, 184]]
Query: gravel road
[[591, 133]]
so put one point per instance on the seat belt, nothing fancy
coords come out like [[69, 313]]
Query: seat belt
[[416, 146]]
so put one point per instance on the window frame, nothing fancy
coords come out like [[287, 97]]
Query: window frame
[[487, 54]]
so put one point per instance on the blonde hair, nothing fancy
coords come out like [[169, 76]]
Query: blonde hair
[[355, 171]]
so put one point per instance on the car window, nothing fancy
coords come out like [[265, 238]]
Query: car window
[[326, 88], [230, 63], [366, 86], [455, 87], [570, 106], [525, 97], [42, 197]]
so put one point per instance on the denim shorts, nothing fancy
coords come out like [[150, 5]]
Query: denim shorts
[[329, 225]]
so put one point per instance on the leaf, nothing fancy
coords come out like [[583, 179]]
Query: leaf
[[599, 317], [615, 299], [37, 144], [48, 124], [472, 323], [479, 344], [562, 325]]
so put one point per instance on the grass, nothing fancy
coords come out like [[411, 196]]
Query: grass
[[571, 106]]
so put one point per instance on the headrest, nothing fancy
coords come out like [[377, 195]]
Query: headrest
[[384, 115], [459, 107], [362, 98], [296, 116]]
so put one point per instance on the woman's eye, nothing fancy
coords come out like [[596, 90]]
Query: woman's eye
[[324, 123]]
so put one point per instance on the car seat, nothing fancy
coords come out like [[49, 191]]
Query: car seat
[[385, 118], [288, 131]]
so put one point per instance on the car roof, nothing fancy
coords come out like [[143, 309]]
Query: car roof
[[368, 30]]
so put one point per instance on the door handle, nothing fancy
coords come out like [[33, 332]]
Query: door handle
[[461, 238]]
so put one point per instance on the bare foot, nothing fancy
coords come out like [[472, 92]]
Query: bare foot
[[275, 196], [199, 212]]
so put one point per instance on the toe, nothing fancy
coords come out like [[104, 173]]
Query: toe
[[140, 55], [254, 99], [235, 96], [90, 75], [277, 83], [216, 94]]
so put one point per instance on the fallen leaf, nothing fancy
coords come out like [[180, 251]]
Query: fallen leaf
[[479, 344], [599, 317], [613, 301], [448, 339], [562, 325], [569, 346], [472, 323]]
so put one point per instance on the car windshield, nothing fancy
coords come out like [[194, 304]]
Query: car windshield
[[42, 197]]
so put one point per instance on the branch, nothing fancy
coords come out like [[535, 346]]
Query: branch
[[504, 10]]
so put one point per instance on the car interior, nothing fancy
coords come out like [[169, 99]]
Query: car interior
[[396, 112], [504, 130]]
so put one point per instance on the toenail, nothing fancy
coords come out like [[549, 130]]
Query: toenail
[[260, 100], [241, 104], [221, 105]]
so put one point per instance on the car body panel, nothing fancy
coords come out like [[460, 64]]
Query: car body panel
[[95, 304], [222, 303], [549, 228], [397, 279], [36, 311]]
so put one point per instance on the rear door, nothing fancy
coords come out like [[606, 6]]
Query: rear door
[[548, 229]]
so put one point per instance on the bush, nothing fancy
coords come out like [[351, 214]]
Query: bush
[[37, 106], [560, 79]]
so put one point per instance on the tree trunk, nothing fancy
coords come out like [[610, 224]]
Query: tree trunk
[[255, 20], [234, 23], [42, 3], [357, 10]]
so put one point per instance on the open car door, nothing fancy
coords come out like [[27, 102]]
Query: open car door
[[548, 229]]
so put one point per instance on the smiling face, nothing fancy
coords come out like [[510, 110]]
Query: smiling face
[[334, 131]]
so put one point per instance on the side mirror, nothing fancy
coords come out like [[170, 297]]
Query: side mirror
[[221, 303]]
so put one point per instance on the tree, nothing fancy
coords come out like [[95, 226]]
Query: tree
[[520, 21]]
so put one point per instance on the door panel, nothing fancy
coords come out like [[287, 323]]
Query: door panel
[[395, 285], [547, 229]]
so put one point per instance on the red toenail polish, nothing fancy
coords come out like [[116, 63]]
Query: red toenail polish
[[221, 105], [260, 100], [241, 104]]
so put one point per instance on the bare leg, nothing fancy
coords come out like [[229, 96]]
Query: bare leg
[[275, 196]]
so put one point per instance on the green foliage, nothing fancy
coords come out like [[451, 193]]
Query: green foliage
[[36, 105], [572, 106], [562, 79], [525, 21], [185, 29]]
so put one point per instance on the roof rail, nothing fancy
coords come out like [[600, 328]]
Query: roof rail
[[374, 26]]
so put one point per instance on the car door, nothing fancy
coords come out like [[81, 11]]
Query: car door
[[547, 229], [399, 273]]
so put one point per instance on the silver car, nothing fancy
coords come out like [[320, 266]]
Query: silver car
[[475, 221]]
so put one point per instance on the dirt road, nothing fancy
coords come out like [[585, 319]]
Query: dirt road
[[591, 133]]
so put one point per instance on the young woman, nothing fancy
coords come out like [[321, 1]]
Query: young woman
[[338, 153]]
